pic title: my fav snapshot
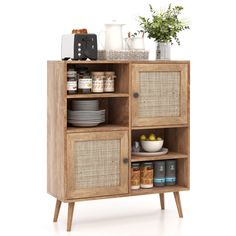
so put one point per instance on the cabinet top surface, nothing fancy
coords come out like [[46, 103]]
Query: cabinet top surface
[[122, 62]]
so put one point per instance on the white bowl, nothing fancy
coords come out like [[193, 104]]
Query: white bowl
[[152, 146]]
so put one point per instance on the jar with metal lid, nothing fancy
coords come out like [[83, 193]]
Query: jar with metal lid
[[98, 81], [71, 81], [109, 81], [135, 176], [147, 175], [84, 82]]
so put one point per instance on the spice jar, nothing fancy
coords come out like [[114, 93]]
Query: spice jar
[[147, 175], [98, 85], [109, 81], [135, 176], [71, 81], [84, 82]]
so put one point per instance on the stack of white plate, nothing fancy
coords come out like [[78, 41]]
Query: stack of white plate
[[85, 113], [84, 105]]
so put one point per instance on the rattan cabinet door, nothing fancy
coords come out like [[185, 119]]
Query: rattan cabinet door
[[160, 94], [97, 164]]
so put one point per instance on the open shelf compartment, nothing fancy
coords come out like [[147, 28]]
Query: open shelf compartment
[[182, 181], [175, 139], [177, 142], [121, 81], [117, 114]]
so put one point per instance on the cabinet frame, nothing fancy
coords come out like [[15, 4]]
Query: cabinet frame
[[61, 137]]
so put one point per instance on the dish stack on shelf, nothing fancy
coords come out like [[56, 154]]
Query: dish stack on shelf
[[85, 113]]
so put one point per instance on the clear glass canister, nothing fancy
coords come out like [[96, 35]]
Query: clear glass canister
[[98, 81], [147, 175], [71, 81], [109, 81], [135, 176]]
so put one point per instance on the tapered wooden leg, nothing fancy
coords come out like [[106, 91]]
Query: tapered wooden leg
[[57, 210], [178, 204], [162, 200], [70, 215]]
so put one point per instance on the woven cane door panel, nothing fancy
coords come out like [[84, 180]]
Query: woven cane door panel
[[95, 164], [159, 94]]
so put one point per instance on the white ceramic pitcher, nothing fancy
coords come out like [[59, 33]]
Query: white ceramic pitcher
[[114, 36]]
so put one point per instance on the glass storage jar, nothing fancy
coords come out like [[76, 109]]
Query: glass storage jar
[[109, 81], [71, 81], [135, 176], [98, 81], [84, 82], [147, 175]]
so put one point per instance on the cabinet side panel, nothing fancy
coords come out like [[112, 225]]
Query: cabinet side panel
[[56, 128]]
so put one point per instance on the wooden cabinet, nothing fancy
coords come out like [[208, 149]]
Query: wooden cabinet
[[97, 164], [86, 163], [159, 94]]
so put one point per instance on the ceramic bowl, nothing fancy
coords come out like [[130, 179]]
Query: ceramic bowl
[[152, 146]]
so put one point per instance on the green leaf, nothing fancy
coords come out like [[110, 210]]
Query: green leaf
[[163, 26]]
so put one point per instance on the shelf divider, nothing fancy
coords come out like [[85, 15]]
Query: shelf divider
[[169, 155], [164, 189], [99, 128], [99, 95]]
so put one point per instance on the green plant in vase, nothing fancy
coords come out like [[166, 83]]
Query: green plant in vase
[[163, 27]]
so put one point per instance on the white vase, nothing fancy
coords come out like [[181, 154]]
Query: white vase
[[163, 51]]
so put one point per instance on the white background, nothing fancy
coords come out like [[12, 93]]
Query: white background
[[30, 35]]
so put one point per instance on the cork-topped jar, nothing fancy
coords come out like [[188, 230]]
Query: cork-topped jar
[[109, 81], [98, 81]]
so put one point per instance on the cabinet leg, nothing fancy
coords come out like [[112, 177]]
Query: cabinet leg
[[57, 210], [70, 215], [178, 204], [162, 200]]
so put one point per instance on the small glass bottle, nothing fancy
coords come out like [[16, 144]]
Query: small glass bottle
[[71, 81], [135, 176], [136, 147]]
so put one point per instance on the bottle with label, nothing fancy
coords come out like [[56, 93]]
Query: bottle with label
[[135, 176], [147, 175], [71, 81], [84, 82]]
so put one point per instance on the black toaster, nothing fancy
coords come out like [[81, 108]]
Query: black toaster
[[79, 47]]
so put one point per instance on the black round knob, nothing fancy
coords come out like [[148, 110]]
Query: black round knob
[[136, 94], [126, 160]]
